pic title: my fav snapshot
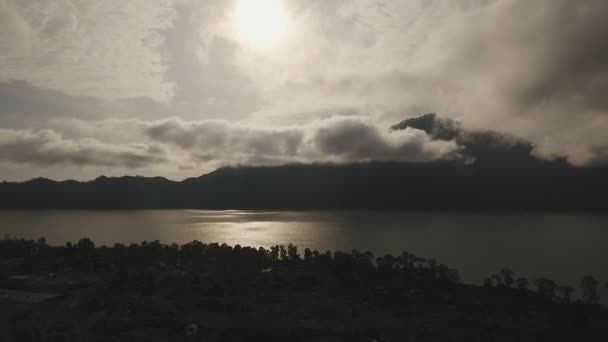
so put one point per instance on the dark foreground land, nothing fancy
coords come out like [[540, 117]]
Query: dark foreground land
[[199, 292]]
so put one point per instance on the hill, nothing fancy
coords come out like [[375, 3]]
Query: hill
[[492, 172], [379, 186]]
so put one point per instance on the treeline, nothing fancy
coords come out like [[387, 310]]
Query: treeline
[[123, 261], [83, 255], [546, 288]]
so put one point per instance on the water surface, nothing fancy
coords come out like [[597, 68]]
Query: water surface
[[559, 246]]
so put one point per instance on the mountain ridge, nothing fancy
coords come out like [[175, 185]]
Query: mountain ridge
[[494, 173]]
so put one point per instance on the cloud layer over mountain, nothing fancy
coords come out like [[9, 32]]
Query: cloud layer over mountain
[[117, 82]]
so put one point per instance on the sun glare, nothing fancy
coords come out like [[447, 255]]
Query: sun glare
[[261, 23]]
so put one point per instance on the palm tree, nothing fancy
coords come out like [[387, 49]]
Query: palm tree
[[589, 287]]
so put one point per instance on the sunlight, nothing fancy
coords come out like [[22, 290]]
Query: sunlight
[[261, 23]]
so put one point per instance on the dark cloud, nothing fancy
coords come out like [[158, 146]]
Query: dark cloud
[[46, 148], [483, 146], [555, 52], [356, 140], [338, 139], [223, 142]]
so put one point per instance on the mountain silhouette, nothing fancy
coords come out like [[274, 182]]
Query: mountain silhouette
[[498, 174]]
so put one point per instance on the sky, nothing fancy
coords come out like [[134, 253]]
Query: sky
[[178, 88]]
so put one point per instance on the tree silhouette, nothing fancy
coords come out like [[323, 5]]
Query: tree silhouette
[[522, 283], [292, 252], [507, 276], [546, 287], [497, 279], [274, 253], [307, 255], [385, 263], [589, 287], [566, 293], [85, 243]]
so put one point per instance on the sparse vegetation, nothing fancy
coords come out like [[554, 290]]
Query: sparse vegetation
[[234, 293]]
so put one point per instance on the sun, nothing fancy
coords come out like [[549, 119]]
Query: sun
[[261, 23]]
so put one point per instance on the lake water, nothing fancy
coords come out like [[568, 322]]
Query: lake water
[[563, 247]]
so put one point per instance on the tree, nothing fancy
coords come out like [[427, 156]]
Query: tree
[[85, 243], [507, 276], [497, 280], [522, 283], [433, 266], [385, 263], [566, 293], [292, 252], [42, 241], [546, 287], [283, 252], [589, 287], [450, 274], [274, 253], [307, 255], [404, 260]]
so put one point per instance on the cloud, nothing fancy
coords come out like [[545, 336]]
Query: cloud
[[108, 49], [355, 140], [541, 79], [533, 69], [201, 63], [25, 105], [48, 148], [338, 139], [221, 140]]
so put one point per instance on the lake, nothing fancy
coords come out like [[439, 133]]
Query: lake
[[563, 247]]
